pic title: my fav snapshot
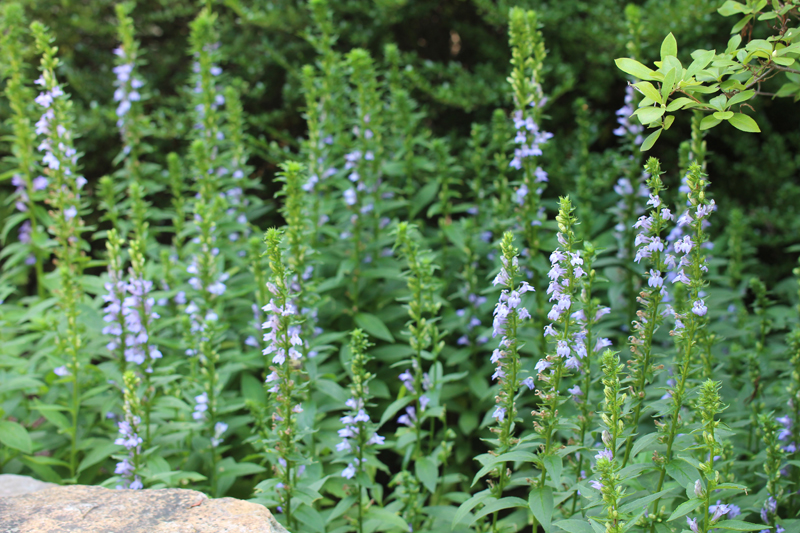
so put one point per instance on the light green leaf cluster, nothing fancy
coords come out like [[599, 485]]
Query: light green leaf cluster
[[719, 84]]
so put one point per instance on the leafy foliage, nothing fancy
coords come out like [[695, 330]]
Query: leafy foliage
[[360, 369]]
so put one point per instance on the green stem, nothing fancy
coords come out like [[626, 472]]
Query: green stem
[[640, 385], [73, 455], [677, 405]]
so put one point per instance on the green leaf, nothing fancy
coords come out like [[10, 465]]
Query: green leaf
[[506, 457], [597, 526], [575, 526], [52, 414], [647, 89], [465, 508], [253, 389], [668, 120], [394, 407], [423, 198], [644, 502], [678, 103], [734, 486], [427, 473], [98, 452], [669, 47], [739, 525], [634, 68], [701, 60], [554, 467], [787, 89], [374, 326], [709, 122], [503, 503], [340, 508], [685, 508], [731, 8], [13, 435], [386, 517], [648, 115], [651, 140], [643, 442], [238, 469], [720, 103], [741, 97], [310, 518], [741, 24], [20, 383], [332, 389], [540, 501], [668, 84], [723, 115], [682, 472], [743, 122], [172, 477]]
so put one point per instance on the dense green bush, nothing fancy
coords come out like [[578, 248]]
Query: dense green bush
[[358, 368]]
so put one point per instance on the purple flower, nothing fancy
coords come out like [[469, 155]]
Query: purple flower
[[349, 472], [501, 278], [601, 343], [684, 245], [219, 429], [409, 418], [562, 349], [499, 414], [655, 280], [681, 277], [605, 454], [699, 308], [718, 510], [201, 406]]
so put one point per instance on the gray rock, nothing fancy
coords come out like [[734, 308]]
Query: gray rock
[[14, 485], [85, 509]]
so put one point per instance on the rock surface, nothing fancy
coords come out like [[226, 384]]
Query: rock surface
[[86, 509], [14, 485]]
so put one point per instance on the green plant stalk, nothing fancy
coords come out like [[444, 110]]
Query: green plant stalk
[[639, 390], [590, 309], [642, 346], [693, 326], [509, 362], [23, 135], [548, 415], [359, 488], [677, 404], [64, 198]]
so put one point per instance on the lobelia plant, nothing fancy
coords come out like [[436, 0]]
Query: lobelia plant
[[608, 466], [286, 378], [565, 274], [29, 186], [60, 167], [359, 435], [651, 248], [509, 315], [688, 321], [364, 136], [426, 344], [587, 318]]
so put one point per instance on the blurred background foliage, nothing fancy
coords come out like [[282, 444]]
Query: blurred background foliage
[[456, 55]]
